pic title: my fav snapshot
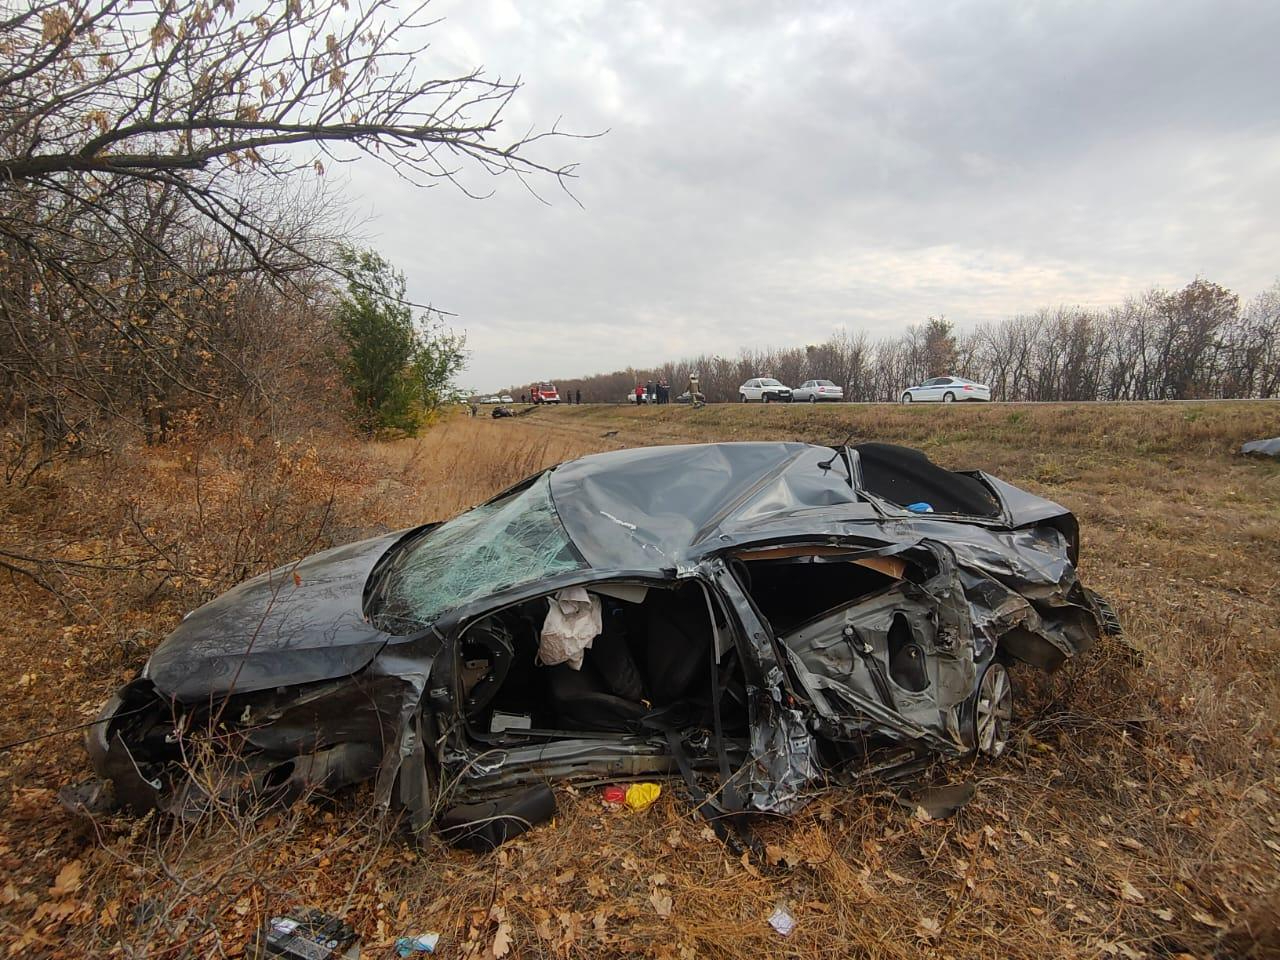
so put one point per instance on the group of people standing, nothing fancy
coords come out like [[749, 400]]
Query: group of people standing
[[653, 391]]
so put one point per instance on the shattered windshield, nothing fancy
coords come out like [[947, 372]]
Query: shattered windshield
[[512, 541]]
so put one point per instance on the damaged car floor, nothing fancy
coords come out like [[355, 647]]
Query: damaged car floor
[[762, 619]]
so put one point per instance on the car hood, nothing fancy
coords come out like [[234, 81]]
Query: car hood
[[297, 624]]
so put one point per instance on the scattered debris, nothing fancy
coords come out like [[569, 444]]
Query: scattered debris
[[614, 795], [1262, 448], [640, 796], [940, 802], [305, 934], [417, 946], [782, 921]]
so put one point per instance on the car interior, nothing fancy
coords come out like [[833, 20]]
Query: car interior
[[650, 667], [792, 586], [905, 476]]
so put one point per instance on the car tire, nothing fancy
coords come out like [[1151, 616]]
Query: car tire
[[993, 711], [813, 398], [742, 397], [948, 397], [906, 398]]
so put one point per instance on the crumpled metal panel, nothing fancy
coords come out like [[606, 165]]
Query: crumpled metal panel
[[783, 767], [649, 508], [275, 630]]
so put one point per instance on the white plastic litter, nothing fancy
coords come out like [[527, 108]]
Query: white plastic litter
[[572, 623], [782, 921]]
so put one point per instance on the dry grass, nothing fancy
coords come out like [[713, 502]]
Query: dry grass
[[1138, 815]]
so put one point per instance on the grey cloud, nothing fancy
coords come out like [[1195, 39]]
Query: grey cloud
[[774, 169]]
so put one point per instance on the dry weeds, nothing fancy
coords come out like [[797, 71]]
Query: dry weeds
[[1138, 815]]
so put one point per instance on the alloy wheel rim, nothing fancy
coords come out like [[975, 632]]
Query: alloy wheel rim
[[993, 712]]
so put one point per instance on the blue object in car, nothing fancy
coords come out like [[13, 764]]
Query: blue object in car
[[920, 507]]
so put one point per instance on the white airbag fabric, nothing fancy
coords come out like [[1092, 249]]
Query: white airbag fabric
[[572, 623]]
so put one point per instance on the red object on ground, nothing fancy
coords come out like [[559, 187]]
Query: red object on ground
[[615, 794]]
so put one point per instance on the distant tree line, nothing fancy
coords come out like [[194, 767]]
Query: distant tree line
[[1199, 342]]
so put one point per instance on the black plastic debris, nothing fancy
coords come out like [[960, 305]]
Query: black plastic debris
[[305, 934], [484, 826], [939, 802]]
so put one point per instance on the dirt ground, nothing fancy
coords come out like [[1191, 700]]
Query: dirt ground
[[1137, 814]]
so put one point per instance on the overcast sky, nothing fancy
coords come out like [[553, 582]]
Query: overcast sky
[[774, 170]]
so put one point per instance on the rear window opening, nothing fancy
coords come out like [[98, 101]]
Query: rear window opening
[[905, 477], [650, 665]]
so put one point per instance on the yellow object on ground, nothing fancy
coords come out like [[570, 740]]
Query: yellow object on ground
[[640, 796]]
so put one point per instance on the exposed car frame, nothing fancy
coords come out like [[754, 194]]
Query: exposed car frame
[[351, 665]]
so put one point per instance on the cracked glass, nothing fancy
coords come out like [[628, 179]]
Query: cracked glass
[[496, 546]]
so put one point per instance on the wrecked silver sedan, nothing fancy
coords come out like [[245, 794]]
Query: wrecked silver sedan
[[776, 616]]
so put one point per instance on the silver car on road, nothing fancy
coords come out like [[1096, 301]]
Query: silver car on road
[[817, 391], [946, 390]]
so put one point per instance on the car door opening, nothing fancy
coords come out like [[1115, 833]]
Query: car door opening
[[649, 666]]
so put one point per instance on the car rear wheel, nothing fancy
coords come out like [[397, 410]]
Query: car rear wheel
[[906, 398], [813, 398], [948, 398], [993, 711]]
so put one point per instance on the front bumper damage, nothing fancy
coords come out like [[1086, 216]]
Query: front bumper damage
[[153, 752]]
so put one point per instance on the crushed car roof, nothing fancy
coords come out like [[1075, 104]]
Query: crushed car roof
[[649, 508], [655, 508]]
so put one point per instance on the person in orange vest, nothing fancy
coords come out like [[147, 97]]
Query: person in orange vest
[[639, 394]]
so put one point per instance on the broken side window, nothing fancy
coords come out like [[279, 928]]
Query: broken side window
[[512, 541], [650, 658], [792, 586]]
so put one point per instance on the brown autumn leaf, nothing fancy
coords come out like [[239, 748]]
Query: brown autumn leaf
[[1131, 893], [928, 928], [502, 940], [68, 879], [662, 903]]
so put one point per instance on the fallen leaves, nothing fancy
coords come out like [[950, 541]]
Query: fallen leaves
[[928, 928], [501, 944], [1130, 893], [69, 879], [662, 903]]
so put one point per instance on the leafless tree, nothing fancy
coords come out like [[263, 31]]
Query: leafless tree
[[1196, 342], [151, 163]]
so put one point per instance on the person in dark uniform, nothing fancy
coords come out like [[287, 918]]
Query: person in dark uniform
[[577, 397]]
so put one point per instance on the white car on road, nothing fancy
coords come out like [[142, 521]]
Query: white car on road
[[818, 391], [946, 390], [764, 389]]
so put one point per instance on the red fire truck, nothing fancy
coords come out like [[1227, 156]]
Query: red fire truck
[[544, 393]]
